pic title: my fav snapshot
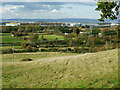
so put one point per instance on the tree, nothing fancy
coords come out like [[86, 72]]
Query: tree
[[8, 29], [76, 31], [33, 37], [21, 29], [109, 10], [95, 32], [28, 29]]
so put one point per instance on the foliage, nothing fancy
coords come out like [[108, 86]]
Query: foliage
[[33, 37], [65, 29], [8, 50], [25, 44], [95, 31], [31, 49], [76, 31], [28, 59], [109, 10], [8, 29], [110, 32]]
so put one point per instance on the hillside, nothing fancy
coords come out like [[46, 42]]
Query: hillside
[[96, 70]]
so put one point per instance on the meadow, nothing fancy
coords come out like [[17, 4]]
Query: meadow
[[61, 70], [51, 37], [59, 61], [7, 38]]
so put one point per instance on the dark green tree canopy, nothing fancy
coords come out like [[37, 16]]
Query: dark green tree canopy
[[109, 10]]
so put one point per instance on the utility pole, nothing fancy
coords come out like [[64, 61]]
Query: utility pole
[[13, 52]]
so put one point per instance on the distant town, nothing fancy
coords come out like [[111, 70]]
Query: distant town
[[69, 24]]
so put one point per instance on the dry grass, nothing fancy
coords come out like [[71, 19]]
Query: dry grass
[[96, 70]]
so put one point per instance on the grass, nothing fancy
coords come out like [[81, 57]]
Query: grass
[[48, 37], [38, 55], [90, 70], [7, 38], [52, 37], [5, 47]]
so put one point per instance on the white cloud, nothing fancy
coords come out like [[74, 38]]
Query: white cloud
[[11, 8], [47, 10], [49, 0], [40, 10], [17, 6], [54, 10]]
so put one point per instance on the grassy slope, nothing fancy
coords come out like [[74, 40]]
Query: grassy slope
[[78, 71], [35, 56]]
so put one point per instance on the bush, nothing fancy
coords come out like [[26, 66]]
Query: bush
[[25, 44], [34, 49], [68, 49], [28, 49], [31, 49], [79, 50], [43, 50], [8, 50], [27, 59], [19, 51]]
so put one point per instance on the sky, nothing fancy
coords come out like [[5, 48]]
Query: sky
[[48, 9]]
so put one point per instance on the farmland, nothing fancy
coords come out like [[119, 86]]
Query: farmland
[[90, 70], [7, 38], [52, 37], [62, 57]]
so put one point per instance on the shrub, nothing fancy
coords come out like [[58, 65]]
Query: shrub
[[31, 49], [42, 50], [69, 49], [79, 50], [28, 49], [99, 41], [25, 44], [34, 49], [8, 50], [33, 37], [19, 51], [28, 59], [53, 49]]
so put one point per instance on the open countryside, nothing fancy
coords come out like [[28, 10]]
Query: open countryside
[[66, 70], [59, 53]]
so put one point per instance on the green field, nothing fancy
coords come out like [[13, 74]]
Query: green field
[[7, 38], [61, 70], [6, 47], [49, 37], [52, 37]]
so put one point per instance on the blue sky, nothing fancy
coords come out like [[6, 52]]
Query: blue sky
[[49, 10]]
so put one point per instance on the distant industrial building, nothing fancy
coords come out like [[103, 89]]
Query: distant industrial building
[[12, 24], [71, 24]]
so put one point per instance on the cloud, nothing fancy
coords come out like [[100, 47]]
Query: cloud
[[56, 11], [11, 8], [69, 7], [42, 9], [36, 6], [48, 1]]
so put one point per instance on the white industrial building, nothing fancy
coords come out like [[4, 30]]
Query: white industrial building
[[12, 24]]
